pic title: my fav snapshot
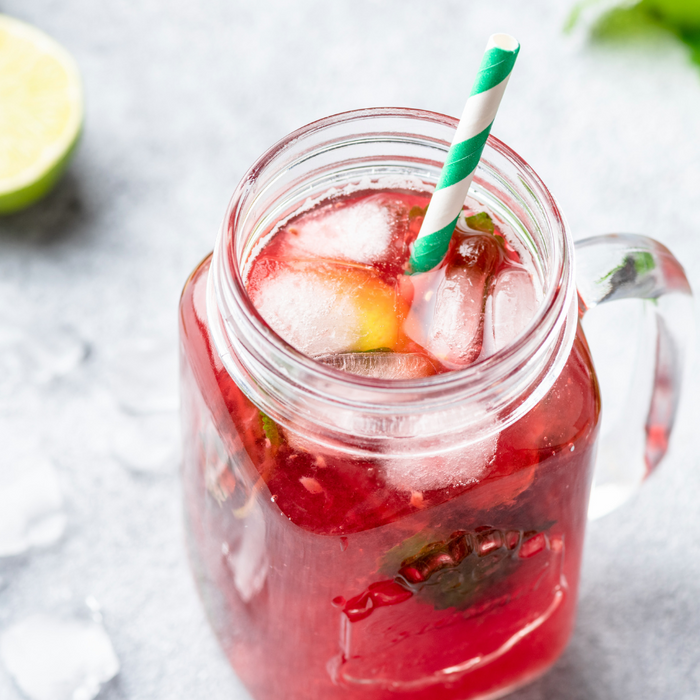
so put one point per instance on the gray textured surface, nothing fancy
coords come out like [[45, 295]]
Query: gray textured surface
[[181, 98]]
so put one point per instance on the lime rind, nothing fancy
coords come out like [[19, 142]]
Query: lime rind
[[38, 178], [18, 199]]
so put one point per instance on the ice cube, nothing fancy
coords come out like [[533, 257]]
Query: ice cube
[[446, 317], [51, 658], [31, 504], [363, 231], [382, 365], [324, 309], [246, 557], [514, 302], [458, 468]]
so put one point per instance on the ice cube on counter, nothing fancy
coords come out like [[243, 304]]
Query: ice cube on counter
[[382, 365], [51, 658], [143, 373], [364, 231], [31, 503], [36, 357], [56, 352], [327, 308], [147, 442], [514, 302]]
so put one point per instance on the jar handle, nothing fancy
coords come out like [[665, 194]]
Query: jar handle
[[626, 266]]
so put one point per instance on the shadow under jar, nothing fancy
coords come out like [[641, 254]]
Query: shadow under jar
[[323, 575]]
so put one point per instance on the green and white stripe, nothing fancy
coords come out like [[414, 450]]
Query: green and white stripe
[[465, 152]]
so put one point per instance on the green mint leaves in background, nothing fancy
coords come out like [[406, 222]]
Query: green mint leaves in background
[[624, 20]]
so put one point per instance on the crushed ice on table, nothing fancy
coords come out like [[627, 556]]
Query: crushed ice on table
[[145, 442], [52, 658], [37, 355], [143, 374], [31, 503], [361, 231], [141, 404], [381, 365], [514, 301]]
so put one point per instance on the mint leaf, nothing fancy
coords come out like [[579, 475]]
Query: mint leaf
[[272, 432], [680, 18], [454, 572], [623, 23], [692, 41], [462, 586], [575, 15], [633, 266], [643, 262], [417, 211], [391, 561], [683, 15], [480, 222]]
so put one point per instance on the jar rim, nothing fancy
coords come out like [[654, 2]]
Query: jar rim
[[243, 339]]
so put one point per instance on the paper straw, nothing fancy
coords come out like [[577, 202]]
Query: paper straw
[[465, 152]]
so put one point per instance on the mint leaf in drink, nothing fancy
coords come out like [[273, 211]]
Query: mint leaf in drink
[[480, 222], [391, 561], [458, 571], [417, 211], [270, 429]]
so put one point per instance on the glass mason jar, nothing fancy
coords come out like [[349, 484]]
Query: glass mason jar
[[363, 538]]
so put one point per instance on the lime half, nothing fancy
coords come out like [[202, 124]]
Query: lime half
[[41, 113]]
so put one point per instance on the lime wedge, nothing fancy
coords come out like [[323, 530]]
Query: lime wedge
[[41, 113]]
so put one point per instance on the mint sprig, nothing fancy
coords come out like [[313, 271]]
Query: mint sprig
[[680, 18]]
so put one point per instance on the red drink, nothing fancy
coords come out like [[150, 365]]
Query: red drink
[[332, 575]]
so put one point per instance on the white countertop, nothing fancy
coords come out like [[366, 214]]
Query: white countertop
[[181, 98]]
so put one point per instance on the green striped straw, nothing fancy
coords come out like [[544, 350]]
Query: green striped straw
[[465, 152]]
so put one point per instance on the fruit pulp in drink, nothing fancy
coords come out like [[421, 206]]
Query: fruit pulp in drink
[[332, 576]]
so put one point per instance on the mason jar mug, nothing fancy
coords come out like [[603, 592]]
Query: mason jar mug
[[363, 538]]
